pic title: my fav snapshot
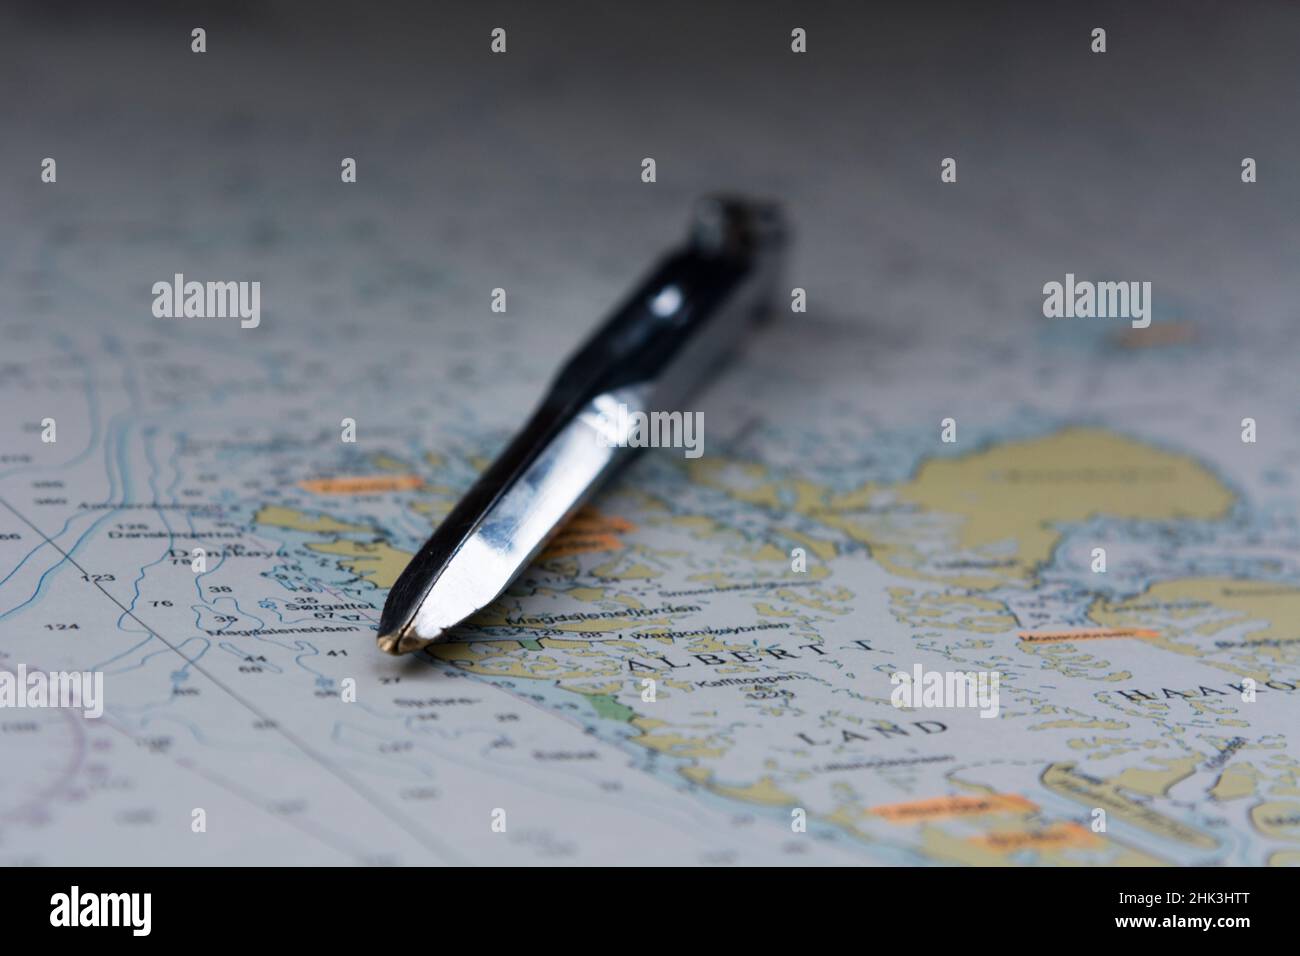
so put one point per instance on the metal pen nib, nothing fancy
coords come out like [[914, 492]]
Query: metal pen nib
[[404, 641], [689, 313]]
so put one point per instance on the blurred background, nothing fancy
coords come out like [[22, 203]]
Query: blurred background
[[526, 166]]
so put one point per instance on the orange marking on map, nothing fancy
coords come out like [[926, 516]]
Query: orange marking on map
[[1049, 837], [361, 484], [939, 808], [589, 520], [588, 531], [1084, 634]]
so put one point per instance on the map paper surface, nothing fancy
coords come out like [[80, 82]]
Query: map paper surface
[[252, 689]]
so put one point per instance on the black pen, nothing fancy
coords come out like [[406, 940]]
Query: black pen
[[686, 317]]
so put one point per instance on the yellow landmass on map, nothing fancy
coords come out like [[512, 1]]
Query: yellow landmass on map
[[1234, 783], [435, 511], [764, 791], [281, 517], [579, 666], [1062, 778], [999, 506], [1279, 819], [1211, 605], [376, 561], [814, 546], [709, 746], [389, 463], [1014, 492], [1156, 782]]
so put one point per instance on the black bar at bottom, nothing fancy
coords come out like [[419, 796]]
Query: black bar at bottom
[[379, 907]]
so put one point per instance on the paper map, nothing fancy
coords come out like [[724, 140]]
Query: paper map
[[699, 669]]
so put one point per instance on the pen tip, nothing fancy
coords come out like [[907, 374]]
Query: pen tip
[[403, 642]]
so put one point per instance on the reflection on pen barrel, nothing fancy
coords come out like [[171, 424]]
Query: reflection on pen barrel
[[659, 346]]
